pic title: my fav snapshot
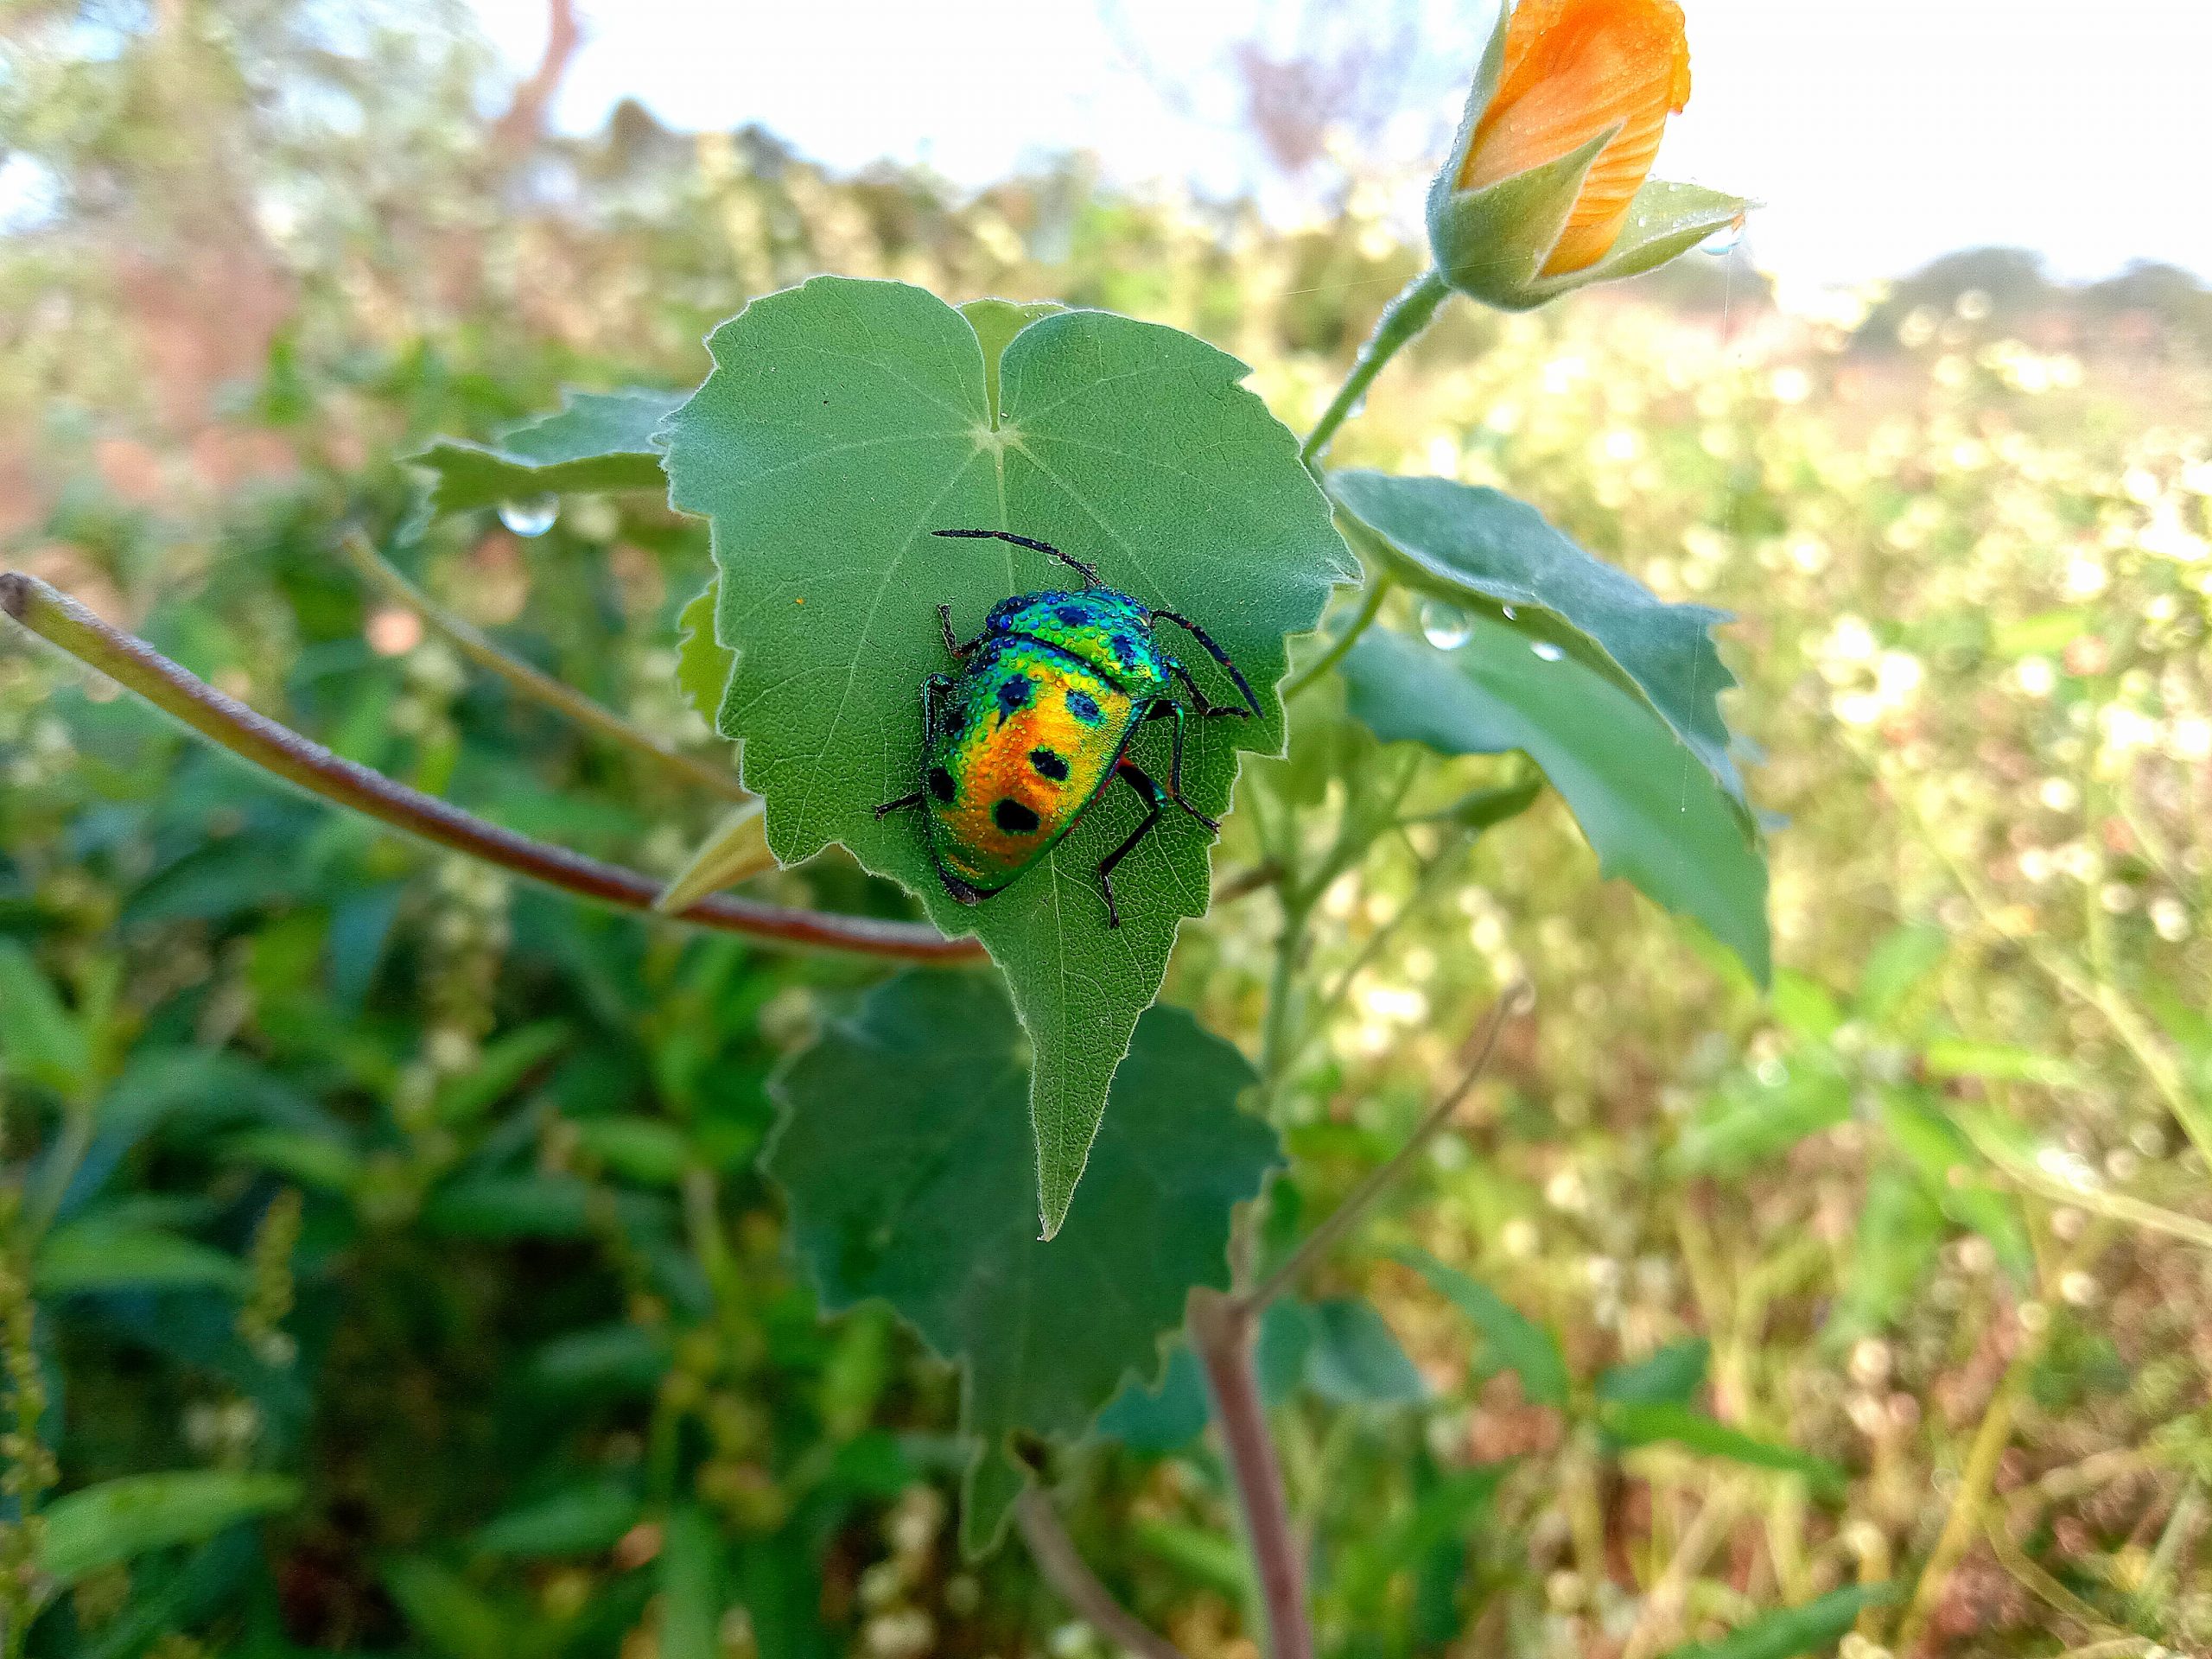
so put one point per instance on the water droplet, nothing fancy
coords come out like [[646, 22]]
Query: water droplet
[[1725, 240], [531, 516], [1510, 613], [1547, 651], [1444, 627]]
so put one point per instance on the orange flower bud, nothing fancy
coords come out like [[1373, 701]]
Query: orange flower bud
[[1574, 69]]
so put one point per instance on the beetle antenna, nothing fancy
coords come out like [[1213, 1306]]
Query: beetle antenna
[[1214, 651], [1089, 572]]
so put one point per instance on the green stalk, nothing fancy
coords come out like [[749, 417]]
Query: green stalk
[[537, 686], [1400, 324], [1370, 606]]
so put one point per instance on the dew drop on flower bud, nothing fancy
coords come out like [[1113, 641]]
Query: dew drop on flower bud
[[1724, 241], [1444, 627], [531, 516]]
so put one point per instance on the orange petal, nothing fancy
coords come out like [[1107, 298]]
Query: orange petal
[[1572, 69]]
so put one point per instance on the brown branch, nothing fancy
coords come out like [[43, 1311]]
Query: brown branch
[[137, 666], [1069, 1573], [1221, 1335], [524, 124]]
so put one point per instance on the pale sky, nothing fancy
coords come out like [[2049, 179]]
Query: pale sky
[[1878, 133]]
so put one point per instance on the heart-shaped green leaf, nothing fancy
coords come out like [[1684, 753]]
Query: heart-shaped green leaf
[[1485, 549], [597, 441], [902, 1152], [1651, 812], [845, 422]]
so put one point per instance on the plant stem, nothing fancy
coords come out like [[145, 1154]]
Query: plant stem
[[1378, 589], [1404, 319], [1318, 1243], [1221, 1336], [532, 683], [1069, 1573], [135, 666]]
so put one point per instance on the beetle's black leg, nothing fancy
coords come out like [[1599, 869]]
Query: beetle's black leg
[[1137, 778], [932, 688], [1217, 654], [952, 646], [1089, 572], [1168, 709], [1200, 703]]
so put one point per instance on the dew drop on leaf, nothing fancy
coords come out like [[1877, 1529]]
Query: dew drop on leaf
[[531, 515], [1444, 627], [1547, 651]]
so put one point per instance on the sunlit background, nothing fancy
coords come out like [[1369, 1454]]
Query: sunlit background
[[1878, 133]]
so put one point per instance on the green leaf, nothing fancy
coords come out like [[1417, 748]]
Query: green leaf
[[579, 1519], [1156, 1420], [1647, 1423], [640, 1149], [702, 666], [1504, 559], [1952, 1057], [1355, 1359], [1669, 1376], [901, 1145], [93, 1255], [1789, 1632], [1517, 1342], [459, 1620], [315, 1160], [1804, 1007], [504, 1066], [1442, 1514], [1952, 1168], [1665, 220], [45, 1044], [1898, 966], [1748, 1120], [691, 1586], [117, 1519], [617, 1358], [1651, 813], [598, 441], [1900, 1229], [847, 420]]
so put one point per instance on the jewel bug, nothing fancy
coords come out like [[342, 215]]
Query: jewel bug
[[1038, 720]]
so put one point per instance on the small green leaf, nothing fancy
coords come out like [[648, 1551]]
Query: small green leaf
[[315, 1160], [459, 1620], [845, 422], [1669, 1376], [615, 1358], [902, 1146], [1517, 1342], [640, 1149], [1896, 967], [1355, 1359], [1804, 1007], [1665, 220], [1900, 1229], [598, 441], [1482, 549], [1952, 1168], [1748, 1120], [691, 1586], [91, 1255], [736, 849], [1789, 1632], [702, 666], [117, 1519], [1649, 1422], [579, 1519], [504, 1066], [1650, 811], [45, 1044], [1953, 1057], [1154, 1420]]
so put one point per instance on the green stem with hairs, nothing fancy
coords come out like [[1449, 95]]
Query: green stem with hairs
[[1400, 324]]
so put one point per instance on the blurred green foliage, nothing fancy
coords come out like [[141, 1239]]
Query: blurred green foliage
[[421, 1215]]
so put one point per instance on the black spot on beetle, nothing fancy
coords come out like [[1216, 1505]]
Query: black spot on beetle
[[1014, 693], [1050, 763], [1014, 818], [1125, 650], [1083, 707], [941, 783]]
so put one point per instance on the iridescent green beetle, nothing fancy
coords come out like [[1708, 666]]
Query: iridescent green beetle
[[1039, 720]]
